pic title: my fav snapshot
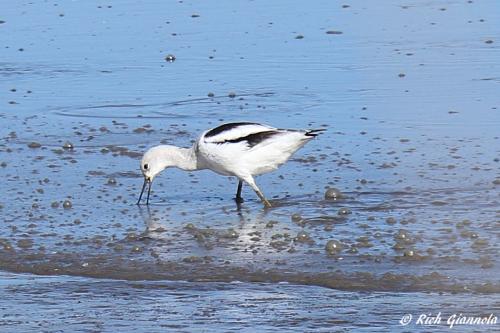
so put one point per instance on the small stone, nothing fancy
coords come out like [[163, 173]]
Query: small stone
[[25, 243], [231, 95], [54, 204], [271, 224], [401, 74], [34, 145], [334, 32], [489, 41], [390, 220], [299, 37], [210, 94]]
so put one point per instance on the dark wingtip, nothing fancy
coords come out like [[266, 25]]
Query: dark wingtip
[[315, 132]]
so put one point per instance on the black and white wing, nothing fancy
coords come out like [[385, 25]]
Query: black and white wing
[[242, 132]]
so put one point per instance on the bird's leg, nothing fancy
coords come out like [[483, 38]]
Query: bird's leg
[[238, 198], [261, 196]]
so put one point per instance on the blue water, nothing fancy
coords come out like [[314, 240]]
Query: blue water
[[408, 93]]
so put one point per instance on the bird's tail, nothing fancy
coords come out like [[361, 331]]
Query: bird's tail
[[314, 132]]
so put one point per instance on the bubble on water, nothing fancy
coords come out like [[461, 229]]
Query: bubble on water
[[136, 249], [353, 249], [132, 236], [402, 235], [303, 237], [5, 245], [296, 217], [190, 226], [68, 145], [333, 194], [170, 58], [344, 211], [111, 181], [54, 204], [231, 233], [67, 204], [409, 253], [333, 247]]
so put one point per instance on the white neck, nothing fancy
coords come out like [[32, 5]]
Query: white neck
[[172, 156]]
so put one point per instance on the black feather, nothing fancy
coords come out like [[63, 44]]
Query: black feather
[[315, 132], [226, 127], [254, 139]]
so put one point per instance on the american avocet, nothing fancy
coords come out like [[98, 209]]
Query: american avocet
[[242, 149]]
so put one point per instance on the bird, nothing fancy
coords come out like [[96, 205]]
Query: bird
[[240, 149]]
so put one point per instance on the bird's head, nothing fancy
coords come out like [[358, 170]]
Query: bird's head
[[154, 161], [151, 164]]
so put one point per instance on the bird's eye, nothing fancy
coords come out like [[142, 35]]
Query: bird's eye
[[146, 166]]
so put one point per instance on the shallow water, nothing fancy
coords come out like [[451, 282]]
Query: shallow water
[[411, 108]]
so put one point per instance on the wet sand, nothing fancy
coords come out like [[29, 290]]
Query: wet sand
[[411, 110]]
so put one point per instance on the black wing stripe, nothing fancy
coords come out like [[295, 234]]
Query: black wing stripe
[[226, 127], [254, 139], [314, 132]]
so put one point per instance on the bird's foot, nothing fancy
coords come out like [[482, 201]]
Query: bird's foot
[[239, 200], [266, 203]]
